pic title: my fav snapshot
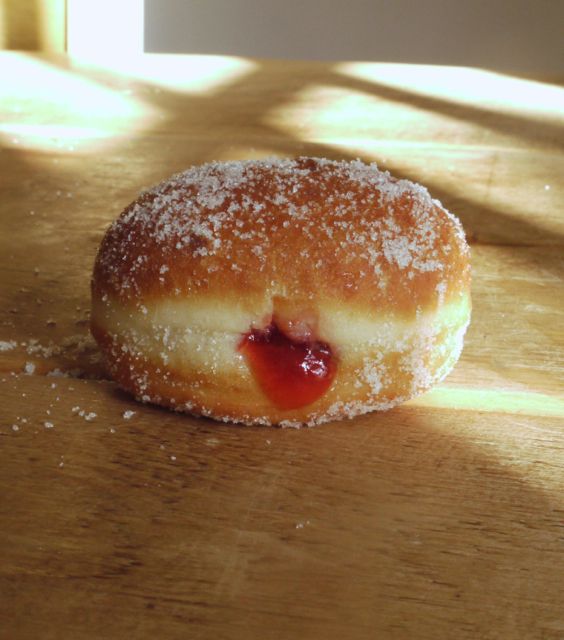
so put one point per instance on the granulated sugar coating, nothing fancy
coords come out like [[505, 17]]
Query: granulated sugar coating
[[239, 213], [325, 251]]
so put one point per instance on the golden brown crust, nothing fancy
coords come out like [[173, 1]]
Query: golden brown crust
[[367, 262], [305, 229]]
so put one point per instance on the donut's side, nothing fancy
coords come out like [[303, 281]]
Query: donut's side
[[185, 356]]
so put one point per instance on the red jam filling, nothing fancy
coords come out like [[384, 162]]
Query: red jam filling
[[291, 373]]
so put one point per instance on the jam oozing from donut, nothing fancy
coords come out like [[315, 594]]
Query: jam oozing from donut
[[291, 373]]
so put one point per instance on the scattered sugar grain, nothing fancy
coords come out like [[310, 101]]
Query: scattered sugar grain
[[29, 368], [15, 427], [48, 425], [127, 415]]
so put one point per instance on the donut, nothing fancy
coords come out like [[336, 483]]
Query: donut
[[281, 291]]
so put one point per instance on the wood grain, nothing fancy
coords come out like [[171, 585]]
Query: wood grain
[[430, 521]]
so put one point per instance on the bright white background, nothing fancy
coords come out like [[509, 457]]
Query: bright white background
[[504, 35]]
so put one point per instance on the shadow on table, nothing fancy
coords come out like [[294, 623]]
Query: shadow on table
[[410, 522]]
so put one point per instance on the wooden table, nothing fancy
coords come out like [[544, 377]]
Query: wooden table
[[443, 518]]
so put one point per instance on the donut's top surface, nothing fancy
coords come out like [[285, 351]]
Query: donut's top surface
[[302, 230]]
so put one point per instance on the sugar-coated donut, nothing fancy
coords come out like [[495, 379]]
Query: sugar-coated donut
[[281, 291]]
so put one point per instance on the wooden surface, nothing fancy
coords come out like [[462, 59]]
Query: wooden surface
[[443, 518]]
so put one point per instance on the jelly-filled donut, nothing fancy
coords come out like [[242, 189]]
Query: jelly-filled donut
[[281, 291]]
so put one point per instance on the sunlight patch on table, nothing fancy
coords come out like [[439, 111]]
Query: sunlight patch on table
[[326, 111], [492, 401], [52, 107], [59, 138], [193, 74], [477, 88]]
